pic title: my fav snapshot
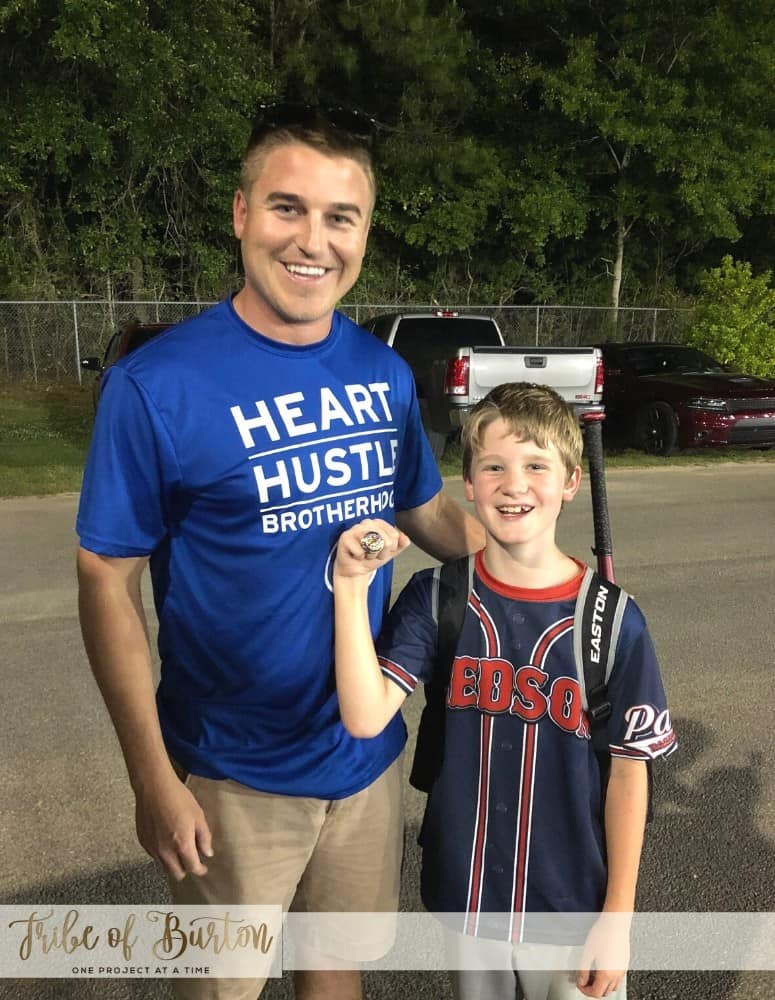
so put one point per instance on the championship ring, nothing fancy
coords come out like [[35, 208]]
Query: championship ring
[[372, 543]]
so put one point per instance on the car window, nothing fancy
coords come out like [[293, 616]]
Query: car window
[[680, 360], [141, 335], [449, 334], [381, 326], [113, 350]]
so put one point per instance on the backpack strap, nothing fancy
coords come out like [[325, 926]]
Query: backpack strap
[[596, 626], [597, 623], [451, 587]]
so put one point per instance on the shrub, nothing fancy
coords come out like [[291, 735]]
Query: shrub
[[734, 319]]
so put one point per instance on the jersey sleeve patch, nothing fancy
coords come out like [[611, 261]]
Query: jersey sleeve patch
[[649, 734], [640, 727]]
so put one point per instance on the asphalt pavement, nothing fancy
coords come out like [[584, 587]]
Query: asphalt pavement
[[696, 548]]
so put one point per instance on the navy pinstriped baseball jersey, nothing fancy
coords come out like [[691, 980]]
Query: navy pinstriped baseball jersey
[[513, 825]]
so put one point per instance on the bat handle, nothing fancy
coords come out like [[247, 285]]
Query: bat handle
[[592, 429]]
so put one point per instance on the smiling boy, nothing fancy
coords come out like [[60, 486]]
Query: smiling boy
[[514, 823]]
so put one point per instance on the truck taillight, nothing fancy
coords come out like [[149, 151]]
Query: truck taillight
[[456, 379], [599, 375]]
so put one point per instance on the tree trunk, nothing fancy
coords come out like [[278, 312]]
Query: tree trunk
[[622, 163], [137, 278], [621, 232]]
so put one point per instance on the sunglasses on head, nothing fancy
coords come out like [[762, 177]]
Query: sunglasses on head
[[284, 114]]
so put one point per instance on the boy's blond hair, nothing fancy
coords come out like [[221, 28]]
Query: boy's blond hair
[[532, 413]]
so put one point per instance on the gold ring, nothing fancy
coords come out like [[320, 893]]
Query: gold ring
[[372, 543]]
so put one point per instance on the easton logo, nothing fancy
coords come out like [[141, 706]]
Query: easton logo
[[597, 629]]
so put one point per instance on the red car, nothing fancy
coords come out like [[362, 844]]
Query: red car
[[126, 339], [660, 397]]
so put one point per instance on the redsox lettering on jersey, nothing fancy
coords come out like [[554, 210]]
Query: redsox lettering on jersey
[[513, 822]]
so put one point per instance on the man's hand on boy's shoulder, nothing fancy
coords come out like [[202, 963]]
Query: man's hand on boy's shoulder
[[606, 955], [366, 546]]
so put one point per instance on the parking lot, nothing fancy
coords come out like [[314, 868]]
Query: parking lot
[[696, 548]]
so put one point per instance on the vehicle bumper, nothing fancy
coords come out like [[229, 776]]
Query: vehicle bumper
[[459, 412], [701, 428]]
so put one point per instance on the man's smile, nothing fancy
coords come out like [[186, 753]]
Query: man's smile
[[306, 270]]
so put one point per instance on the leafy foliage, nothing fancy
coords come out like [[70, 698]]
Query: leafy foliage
[[734, 319], [125, 121], [529, 151], [668, 115]]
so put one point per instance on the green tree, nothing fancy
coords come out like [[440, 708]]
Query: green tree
[[410, 64], [525, 149], [668, 109], [123, 130], [734, 318]]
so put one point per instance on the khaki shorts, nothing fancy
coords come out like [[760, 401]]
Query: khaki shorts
[[304, 854]]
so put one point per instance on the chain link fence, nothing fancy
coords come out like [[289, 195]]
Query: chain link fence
[[46, 341], [561, 326]]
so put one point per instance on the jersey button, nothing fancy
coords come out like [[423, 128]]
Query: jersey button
[[506, 746], [501, 807], [497, 869]]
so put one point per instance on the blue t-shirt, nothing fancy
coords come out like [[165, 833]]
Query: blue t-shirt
[[236, 462], [513, 822]]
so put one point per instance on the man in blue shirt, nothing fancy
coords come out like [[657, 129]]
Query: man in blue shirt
[[230, 453]]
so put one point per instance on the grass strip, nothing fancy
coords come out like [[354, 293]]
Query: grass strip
[[45, 431], [44, 437], [628, 458]]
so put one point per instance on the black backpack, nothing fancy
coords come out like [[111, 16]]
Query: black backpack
[[597, 622]]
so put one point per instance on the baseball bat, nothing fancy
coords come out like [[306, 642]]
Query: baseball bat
[[592, 429]]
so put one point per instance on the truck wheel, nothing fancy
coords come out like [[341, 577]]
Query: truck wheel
[[438, 443], [436, 439], [656, 429]]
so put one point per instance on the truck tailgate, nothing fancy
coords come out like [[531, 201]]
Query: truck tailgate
[[568, 370]]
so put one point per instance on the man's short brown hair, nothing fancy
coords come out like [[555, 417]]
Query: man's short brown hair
[[532, 413], [319, 135]]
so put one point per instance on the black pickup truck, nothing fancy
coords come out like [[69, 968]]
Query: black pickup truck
[[426, 340]]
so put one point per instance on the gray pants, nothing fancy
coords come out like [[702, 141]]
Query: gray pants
[[492, 971]]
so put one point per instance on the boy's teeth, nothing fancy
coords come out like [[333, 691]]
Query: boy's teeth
[[515, 510]]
